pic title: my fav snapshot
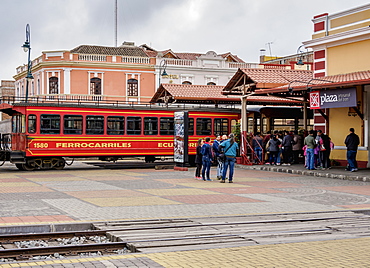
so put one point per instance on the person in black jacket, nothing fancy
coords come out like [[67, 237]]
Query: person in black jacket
[[352, 141], [198, 159]]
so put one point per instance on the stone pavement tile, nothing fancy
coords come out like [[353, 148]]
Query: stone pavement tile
[[261, 174], [210, 184], [334, 253], [239, 179], [112, 178], [211, 199], [132, 173], [56, 178], [29, 189], [32, 195], [18, 184], [15, 179], [106, 193], [129, 201], [175, 181], [362, 190], [357, 206], [246, 190], [141, 184], [177, 191], [271, 184], [65, 186]]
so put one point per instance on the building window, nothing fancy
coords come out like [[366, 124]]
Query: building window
[[95, 86], [53, 85], [50, 124], [211, 83], [115, 125], [132, 87], [186, 83], [73, 124], [94, 125]]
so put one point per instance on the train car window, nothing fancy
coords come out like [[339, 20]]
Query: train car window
[[94, 125], [115, 125], [233, 124], [204, 126], [191, 126], [221, 126], [150, 126], [133, 125], [50, 124], [73, 124], [166, 125], [32, 123]]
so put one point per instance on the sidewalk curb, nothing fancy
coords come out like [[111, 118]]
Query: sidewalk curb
[[315, 173]]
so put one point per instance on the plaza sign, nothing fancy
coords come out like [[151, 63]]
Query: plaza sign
[[333, 98]]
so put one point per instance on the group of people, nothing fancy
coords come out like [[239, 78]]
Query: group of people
[[286, 148], [281, 147], [222, 151]]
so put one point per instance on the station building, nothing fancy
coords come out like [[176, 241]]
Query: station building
[[339, 91]]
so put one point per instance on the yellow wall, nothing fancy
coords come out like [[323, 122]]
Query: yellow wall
[[348, 58], [339, 125], [351, 18]]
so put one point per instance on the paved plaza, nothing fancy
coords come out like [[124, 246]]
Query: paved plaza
[[84, 193]]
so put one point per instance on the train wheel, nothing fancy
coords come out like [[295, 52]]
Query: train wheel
[[25, 167], [58, 163], [19, 166]]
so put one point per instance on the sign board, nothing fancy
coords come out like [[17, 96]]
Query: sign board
[[181, 137], [333, 98]]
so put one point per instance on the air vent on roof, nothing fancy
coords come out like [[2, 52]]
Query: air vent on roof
[[131, 44]]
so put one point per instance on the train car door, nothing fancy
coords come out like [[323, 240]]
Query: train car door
[[19, 137]]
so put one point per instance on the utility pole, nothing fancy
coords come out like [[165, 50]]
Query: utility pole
[[115, 22]]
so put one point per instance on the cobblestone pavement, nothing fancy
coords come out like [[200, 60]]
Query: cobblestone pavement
[[85, 193]]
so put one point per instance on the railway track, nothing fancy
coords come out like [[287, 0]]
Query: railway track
[[160, 235], [27, 246]]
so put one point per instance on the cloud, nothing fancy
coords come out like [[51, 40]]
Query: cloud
[[242, 27]]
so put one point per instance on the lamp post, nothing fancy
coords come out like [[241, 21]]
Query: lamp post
[[162, 69], [300, 52], [27, 48]]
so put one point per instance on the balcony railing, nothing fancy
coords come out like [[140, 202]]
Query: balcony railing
[[136, 60], [86, 57]]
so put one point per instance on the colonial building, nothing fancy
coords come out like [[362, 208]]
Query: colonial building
[[91, 73]]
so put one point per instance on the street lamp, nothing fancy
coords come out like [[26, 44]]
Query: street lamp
[[162, 69], [27, 48], [300, 52]]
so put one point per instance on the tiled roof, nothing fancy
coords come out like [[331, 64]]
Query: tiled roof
[[267, 78], [114, 51], [188, 55], [203, 93], [349, 79]]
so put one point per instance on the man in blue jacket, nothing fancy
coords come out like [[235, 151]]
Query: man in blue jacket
[[229, 147]]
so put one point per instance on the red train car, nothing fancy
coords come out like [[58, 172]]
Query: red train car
[[43, 134]]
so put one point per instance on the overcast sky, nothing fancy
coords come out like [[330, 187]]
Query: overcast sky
[[241, 27]]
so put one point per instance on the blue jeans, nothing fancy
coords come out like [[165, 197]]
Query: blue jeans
[[258, 151], [230, 161], [310, 158], [206, 168], [220, 168], [278, 158], [351, 159]]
